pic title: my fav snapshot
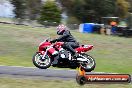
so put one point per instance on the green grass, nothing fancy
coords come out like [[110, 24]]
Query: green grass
[[19, 43], [35, 83], [112, 53], [5, 19]]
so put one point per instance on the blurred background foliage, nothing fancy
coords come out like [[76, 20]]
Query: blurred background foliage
[[93, 10], [76, 10], [50, 12]]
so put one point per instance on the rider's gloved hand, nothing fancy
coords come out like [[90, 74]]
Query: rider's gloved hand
[[53, 41]]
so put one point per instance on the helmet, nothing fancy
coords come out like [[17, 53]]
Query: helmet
[[60, 29]]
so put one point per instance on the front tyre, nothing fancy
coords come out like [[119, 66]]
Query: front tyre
[[88, 65], [42, 64]]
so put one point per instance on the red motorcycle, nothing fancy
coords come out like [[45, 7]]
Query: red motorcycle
[[47, 52]]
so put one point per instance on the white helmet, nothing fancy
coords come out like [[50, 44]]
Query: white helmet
[[60, 29]]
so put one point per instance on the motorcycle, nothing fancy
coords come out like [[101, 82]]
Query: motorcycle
[[48, 52]]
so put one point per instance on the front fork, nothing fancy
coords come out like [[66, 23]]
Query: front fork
[[43, 54]]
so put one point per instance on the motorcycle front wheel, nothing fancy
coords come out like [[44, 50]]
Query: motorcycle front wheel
[[39, 62], [88, 65]]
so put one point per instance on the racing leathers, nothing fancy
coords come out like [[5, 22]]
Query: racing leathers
[[69, 41]]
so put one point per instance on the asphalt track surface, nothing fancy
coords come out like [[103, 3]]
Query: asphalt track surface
[[36, 72], [33, 72]]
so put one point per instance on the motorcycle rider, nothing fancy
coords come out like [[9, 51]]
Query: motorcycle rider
[[69, 41]]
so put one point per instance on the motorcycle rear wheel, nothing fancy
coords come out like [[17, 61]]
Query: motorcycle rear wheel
[[89, 65], [42, 64]]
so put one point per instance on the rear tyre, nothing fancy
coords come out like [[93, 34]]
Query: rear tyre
[[89, 65], [42, 64]]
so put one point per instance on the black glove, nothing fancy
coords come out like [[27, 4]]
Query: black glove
[[53, 41]]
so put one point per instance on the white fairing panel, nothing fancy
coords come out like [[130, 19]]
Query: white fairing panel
[[81, 59]]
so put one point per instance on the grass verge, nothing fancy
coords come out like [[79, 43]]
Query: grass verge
[[35, 83], [18, 44]]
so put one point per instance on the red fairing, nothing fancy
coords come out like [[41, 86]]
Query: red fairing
[[44, 45], [59, 43], [84, 48], [42, 52], [57, 47], [51, 51]]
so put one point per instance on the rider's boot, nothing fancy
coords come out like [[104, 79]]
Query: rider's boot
[[75, 55]]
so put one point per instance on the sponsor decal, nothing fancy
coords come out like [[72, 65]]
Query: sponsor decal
[[83, 78]]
